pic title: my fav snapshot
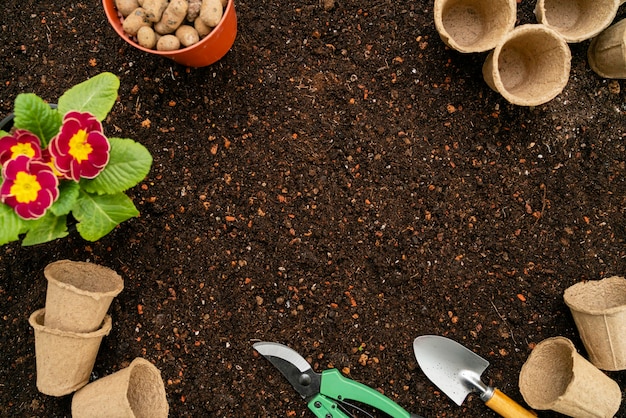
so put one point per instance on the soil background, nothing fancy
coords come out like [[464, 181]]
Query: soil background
[[340, 182]]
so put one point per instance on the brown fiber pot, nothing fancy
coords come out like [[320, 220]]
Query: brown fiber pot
[[136, 391], [556, 377], [530, 66], [79, 294], [578, 20], [607, 52], [474, 25], [599, 311], [206, 52], [64, 359]]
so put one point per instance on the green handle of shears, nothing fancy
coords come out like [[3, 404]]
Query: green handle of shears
[[335, 386], [324, 407]]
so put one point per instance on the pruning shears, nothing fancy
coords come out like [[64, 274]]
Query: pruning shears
[[328, 394]]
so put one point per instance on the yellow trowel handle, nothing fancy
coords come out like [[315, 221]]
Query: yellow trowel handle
[[507, 407]]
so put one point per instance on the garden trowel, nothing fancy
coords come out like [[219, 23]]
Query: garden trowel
[[456, 371]]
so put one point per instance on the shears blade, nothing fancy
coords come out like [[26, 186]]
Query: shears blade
[[293, 366]]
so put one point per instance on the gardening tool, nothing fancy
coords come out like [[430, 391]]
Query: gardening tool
[[456, 371], [328, 394]]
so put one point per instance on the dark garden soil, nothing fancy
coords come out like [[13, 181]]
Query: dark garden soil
[[339, 182]]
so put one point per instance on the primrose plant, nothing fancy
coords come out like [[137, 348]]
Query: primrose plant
[[59, 167]]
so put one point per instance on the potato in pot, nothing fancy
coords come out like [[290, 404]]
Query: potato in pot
[[126, 7], [187, 35], [168, 43], [146, 21], [172, 17], [146, 37], [135, 21], [211, 12]]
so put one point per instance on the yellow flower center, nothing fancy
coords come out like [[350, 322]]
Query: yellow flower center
[[54, 168], [22, 149], [79, 147], [25, 188]]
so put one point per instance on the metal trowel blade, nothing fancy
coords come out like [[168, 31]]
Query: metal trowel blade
[[452, 367]]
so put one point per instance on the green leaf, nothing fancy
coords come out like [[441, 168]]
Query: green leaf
[[3, 133], [47, 228], [129, 163], [36, 116], [99, 214], [96, 96], [11, 225], [68, 193]]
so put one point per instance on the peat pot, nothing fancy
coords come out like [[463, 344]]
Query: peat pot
[[607, 52], [599, 311], [474, 25], [64, 359], [577, 20], [556, 377], [530, 66], [136, 391], [79, 294]]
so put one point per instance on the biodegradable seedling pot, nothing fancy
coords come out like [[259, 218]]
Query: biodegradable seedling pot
[[134, 392], [556, 377], [64, 359], [607, 52], [599, 311], [209, 50], [474, 25], [530, 66], [79, 294], [577, 20]]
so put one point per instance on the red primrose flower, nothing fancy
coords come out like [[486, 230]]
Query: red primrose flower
[[30, 186], [80, 149], [21, 142]]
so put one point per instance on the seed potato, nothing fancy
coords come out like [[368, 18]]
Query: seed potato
[[201, 27], [187, 35], [154, 9], [173, 17], [211, 12], [146, 37], [168, 43], [134, 21], [193, 11], [126, 7], [186, 21]]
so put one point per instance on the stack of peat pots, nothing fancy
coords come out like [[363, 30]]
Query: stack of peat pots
[[555, 376], [530, 64], [68, 334], [69, 330]]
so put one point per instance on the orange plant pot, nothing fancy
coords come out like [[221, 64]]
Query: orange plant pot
[[206, 52]]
